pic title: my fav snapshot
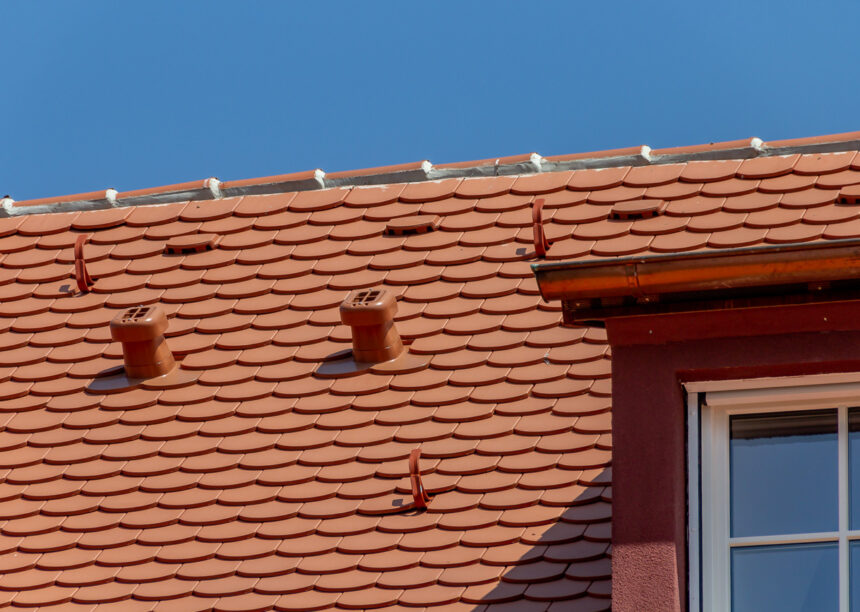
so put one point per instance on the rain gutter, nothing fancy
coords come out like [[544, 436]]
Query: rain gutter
[[597, 289]]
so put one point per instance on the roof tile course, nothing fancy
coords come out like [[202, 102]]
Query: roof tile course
[[265, 484]]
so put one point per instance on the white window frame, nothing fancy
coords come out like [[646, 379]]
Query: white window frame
[[709, 406]]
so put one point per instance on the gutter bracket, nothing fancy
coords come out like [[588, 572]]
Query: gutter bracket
[[632, 277]]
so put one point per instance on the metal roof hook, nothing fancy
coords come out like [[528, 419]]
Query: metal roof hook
[[419, 494], [82, 277], [541, 243]]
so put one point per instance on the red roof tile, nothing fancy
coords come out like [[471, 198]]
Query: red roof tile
[[264, 482]]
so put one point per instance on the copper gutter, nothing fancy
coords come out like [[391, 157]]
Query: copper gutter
[[719, 270]]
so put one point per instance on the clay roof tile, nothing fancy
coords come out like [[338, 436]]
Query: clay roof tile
[[258, 480]]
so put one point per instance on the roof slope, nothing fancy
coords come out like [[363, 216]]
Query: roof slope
[[258, 486]]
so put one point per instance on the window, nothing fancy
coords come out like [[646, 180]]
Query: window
[[777, 470]]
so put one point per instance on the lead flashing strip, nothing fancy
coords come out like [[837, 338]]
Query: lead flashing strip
[[525, 165]]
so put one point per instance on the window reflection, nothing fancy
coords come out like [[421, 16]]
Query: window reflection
[[784, 473], [854, 467], [796, 578], [855, 575]]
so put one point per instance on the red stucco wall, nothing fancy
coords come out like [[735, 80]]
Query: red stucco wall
[[650, 357]]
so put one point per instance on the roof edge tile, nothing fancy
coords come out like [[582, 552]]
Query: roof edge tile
[[400, 173], [492, 161], [526, 163], [191, 190], [631, 156], [91, 196], [595, 155], [750, 147], [817, 144], [279, 183]]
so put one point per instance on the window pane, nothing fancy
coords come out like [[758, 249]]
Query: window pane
[[784, 469], [854, 465], [797, 578], [855, 576]]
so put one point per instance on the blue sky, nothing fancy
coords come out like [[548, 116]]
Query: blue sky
[[102, 94]]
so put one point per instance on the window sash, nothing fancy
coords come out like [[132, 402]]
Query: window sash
[[708, 413]]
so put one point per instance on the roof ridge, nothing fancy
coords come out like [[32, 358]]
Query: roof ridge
[[530, 163]]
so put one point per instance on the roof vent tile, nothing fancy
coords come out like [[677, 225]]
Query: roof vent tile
[[190, 243], [141, 329], [849, 195], [370, 314], [376, 343], [636, 209], [416, 224]]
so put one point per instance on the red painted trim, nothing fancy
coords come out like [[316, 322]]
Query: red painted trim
[[651, 356], [746, 322]]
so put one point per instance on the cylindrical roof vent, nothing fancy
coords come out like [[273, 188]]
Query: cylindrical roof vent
[[370, 314], [141, 329]]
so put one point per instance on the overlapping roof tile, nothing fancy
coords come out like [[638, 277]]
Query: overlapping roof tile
[[266, 485]]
